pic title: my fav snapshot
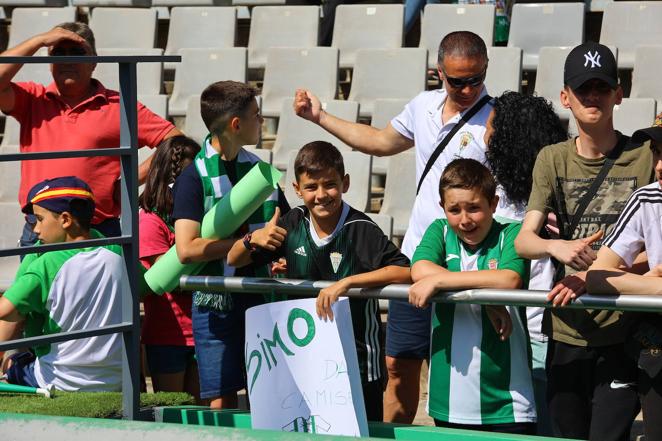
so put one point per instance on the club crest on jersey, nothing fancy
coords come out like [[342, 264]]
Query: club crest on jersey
[[492, 264], [336, 258]]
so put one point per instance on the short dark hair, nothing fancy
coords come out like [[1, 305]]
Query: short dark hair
[[82, 30], [316, 157], [467, 174], [462, 44], [222, 101]]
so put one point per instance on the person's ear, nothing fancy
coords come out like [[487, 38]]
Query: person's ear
[[66, 220], [619, 94], [494, 203], [235, 123], [565, 98], [295, 185], [345, 183]]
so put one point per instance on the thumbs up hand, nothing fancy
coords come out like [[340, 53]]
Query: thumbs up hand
[[577, 253], [271, 236]]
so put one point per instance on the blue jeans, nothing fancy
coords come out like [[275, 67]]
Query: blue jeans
[[21, 371]]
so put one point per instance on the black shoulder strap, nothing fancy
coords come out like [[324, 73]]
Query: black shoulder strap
[[444, 142], [599, 179]]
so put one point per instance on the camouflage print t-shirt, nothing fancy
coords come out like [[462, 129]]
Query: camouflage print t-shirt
[[560, 178]]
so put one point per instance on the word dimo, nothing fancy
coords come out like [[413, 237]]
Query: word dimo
[[266, 346]]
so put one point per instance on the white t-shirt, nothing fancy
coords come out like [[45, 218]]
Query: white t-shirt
[[639, 227], [420, 121]]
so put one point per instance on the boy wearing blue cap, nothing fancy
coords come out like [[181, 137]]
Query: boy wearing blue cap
[[67, 290]]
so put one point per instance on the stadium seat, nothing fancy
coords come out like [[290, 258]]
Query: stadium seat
[[366, 27], [288, 69], [400, 191], [441, 19], [645, 76], [258, 2], [10, 174], [156, 103], [264, 154], [504, 71], [202, 67], [27, 22], [384, 222], [294, 132], [549, 79], [189, 3], [34, 3], [149, 76], [200, 27], [384, 111], [12, 226], [113, 3], [632, 114], [124, 27], [281, 26], [630, 24], [534, 25], [357, 166], [387, 73]]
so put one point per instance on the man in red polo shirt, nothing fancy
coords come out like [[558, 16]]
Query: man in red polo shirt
[[74, 112]]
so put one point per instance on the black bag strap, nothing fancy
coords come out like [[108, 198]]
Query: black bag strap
[[599, 179], [444, 142]]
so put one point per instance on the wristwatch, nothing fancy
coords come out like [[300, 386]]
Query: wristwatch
[[247, 242]]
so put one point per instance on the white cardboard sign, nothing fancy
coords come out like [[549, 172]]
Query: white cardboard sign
[[303, 373]]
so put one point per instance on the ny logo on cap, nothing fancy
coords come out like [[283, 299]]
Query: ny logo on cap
[[594, 59]]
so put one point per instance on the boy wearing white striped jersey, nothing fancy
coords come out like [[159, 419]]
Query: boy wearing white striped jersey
[[326, 239], [639, 228], [479, 379]]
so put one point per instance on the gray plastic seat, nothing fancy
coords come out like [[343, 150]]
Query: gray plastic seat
[[646, 73], [627, 25], [113, 3], [442, 19], [188, 3], [149, 76], [257, 2], [400, 191], [504, 71], [387, 73], [124, 27], [200, 27], [281, 26], [632, 114], [10, 174], [156, 103], [200, 68], [384, 222], [294, 132], [357, 166], [384, 111], [288, 69], [366, 27], [534, 25], [12, 226], [549, 79], [27, 22], [34, 3]]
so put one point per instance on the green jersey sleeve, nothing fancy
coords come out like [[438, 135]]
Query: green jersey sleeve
[[432, 246], [25, 293]]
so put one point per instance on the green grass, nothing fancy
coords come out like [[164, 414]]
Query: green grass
[[85, 404]]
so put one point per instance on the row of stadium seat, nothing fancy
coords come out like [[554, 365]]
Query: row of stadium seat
[[625, 25]]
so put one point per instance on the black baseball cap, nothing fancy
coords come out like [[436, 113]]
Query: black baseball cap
[[653, 133], [588, 61]]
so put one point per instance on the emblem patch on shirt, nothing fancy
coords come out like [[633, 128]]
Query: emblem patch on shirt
[[492, 264], [301, 251], [336, 258], [465, 139]]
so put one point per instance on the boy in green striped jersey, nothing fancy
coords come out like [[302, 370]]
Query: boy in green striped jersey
[[479, 378]]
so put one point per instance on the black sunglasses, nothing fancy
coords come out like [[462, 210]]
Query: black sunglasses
[[72, 51], [459, 83]]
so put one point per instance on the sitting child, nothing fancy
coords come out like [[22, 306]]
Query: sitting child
[[64, 291], [478, 380], [326, 239]]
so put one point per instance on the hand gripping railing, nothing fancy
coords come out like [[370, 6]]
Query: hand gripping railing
[[128, 153], [513, 297]]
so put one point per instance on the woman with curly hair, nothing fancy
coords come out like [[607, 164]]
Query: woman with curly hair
[[518, 128], [166, 331]]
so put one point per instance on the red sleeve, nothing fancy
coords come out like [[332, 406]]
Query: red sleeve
[[23, 95], [155, 237], [151, 127]]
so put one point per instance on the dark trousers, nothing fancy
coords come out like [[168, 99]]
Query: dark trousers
[[650, 392], [373, 396], [591, 391], [518, 428]]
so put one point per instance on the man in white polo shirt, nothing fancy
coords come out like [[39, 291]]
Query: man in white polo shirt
[[639, 227], [443, 125]]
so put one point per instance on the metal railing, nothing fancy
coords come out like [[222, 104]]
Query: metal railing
[[517, 297], [128, 153]]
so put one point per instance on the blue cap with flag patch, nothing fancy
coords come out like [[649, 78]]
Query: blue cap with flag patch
[[67, 193]]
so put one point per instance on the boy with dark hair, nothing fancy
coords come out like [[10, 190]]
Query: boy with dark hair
[[478, 379], [68, 290], [585, 182], [233, 118], [639, 228], [326, 239]]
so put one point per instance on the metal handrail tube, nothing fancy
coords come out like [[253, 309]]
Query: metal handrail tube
[[20, 251], [115, 151], [65, 336], [131, 59], [514, 297]]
